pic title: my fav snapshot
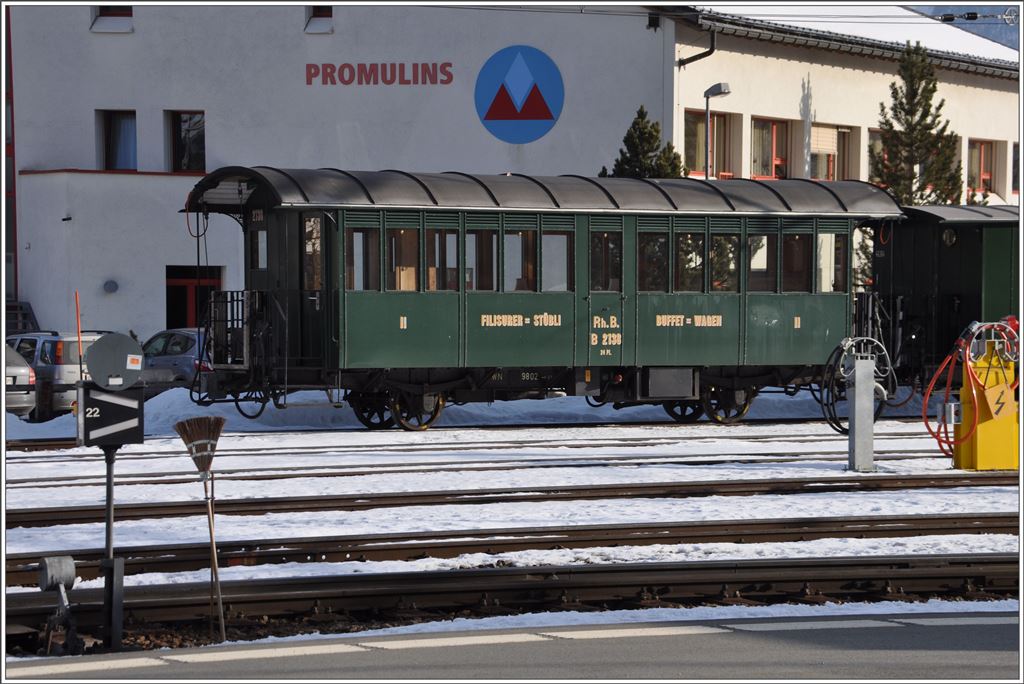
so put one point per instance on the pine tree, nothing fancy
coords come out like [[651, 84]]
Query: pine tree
[[643, 156], [918, 161]]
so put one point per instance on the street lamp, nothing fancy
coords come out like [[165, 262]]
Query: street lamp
[[717, 90]]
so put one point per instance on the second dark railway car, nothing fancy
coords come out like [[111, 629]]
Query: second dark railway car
[[404, 291], [935, 273]]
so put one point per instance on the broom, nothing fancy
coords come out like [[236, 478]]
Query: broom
[[200, 435]]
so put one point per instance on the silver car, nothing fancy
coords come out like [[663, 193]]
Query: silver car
[[20, 384], [55, 358]]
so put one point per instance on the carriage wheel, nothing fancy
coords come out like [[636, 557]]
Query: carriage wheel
[[684, 411], [721, 406], [408, 413], [259, 397], [373, 412]]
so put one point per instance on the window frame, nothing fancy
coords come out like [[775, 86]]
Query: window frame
[[990, 176], [674, 259], [846, 267], [114, 11], [390, 272], [776, 159], [177, 146], [495, 265], [526, 252], [109, 150], [375, 260], [738, 270], [605, 232], [427, 246], [570, 260], [810, 262], [716, 118]]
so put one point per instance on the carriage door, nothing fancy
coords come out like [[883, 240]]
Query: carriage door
[[606, 291], [314, 295]]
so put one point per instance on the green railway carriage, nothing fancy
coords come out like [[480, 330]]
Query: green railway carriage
[[405, 291]]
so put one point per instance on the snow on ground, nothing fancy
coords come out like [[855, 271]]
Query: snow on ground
[[321, 443]]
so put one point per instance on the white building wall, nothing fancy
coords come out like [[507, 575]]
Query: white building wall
[[245, 67], [807, 85], [121, 227]]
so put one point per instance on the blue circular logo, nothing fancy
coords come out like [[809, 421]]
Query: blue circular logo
[[519, 94]]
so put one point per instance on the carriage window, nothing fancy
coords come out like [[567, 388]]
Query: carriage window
[[442, 259], [652, 262], [557, 262], [258, 249], [762, 262], [403, 256], [362, 259], [481, 260], [796, 263], [690, 262], [724, 260], [312, 264], [606, 262], [520, 260], [831, 263]]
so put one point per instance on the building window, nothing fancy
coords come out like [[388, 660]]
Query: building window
[[403, 255], [188, 141], [114, 11], [556, 262], [694, 144], [762, 262], [362, 259], [442, 259], [980, 157], [319, 19], [768, 144], [119, 140], [605, 262], [482, 260], [652, 262], [724, 259], [689, 262], [829, 152]]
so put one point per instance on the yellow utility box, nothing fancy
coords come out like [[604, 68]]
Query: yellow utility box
[[995, 443]]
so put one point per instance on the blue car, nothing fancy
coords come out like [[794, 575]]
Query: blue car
[[176, 351]]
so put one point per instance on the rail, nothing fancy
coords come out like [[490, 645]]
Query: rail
[[65, 515]]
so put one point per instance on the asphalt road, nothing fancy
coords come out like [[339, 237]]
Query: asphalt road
[[928, 647]]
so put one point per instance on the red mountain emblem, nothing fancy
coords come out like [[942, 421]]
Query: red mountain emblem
[[503, 109]]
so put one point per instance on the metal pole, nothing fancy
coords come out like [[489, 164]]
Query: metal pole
[[113, 569], [707, 138], [861, 439], [110, 453], [215, 574]]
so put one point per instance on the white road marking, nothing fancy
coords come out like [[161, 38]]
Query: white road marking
[[454, 641], [815, 624], [943, 622], [635, 632], [219, 655], [80, 666]]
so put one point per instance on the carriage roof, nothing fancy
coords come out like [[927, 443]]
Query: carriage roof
[[234, 188]]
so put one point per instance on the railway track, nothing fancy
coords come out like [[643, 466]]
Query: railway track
[[321, 471], [48, 444], [41, 517], [550, 588], [22, 568]]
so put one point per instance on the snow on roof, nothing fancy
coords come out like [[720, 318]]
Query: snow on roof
[[887, 23]]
